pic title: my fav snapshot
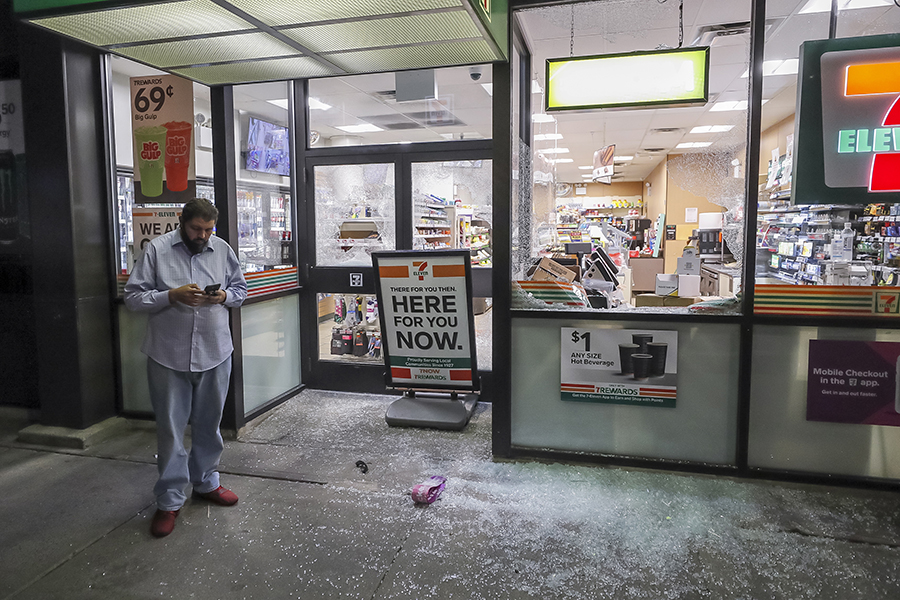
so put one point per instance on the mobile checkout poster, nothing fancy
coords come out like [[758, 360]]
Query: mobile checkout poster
[[619, 366], [428, 330], [853, 382], [162, 125]]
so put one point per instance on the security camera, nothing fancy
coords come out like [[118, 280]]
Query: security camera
[[475, 73]]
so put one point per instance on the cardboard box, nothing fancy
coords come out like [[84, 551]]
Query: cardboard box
[[689, 263], [358, 230], [681, 300], [550, 270], [649, 300], [688, 285], [666, 285]]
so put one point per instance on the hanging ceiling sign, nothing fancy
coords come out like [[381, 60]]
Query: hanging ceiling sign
[[604, 167], [428, 329], [653, 78], [848, 126]]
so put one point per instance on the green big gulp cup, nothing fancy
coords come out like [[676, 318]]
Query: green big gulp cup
[[150, 147]]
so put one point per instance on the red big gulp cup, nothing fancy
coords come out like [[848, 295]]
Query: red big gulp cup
[[178, 154]]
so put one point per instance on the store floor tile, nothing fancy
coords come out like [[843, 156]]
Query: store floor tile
[[311, 524]]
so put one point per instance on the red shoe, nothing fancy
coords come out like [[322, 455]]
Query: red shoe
[[163, 522], [220, 496]]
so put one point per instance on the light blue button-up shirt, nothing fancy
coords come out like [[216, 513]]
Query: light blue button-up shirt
[[182, 337]]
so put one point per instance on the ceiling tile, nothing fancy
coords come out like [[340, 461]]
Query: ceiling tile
[[415, 57], [145, 22], [279, 14], [412, 29], [253, 71], [209, 50]]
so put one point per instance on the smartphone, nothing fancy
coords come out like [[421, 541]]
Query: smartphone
[[211, 289]]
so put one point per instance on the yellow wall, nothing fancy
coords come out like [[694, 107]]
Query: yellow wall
[[773, 137], [625, 188], [655, 196]]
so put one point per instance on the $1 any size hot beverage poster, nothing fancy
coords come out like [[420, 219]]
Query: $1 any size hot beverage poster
[[425, 304], [619, 366]]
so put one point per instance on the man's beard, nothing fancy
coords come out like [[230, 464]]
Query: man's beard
[[195, 246]]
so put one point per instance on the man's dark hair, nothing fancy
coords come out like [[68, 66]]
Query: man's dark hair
[[199, 207]]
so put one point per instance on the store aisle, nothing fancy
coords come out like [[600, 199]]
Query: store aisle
[[311, 524]]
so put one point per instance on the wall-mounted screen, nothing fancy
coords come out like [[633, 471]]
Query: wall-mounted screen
[[268, 148]]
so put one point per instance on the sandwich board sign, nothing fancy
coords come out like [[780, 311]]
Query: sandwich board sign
[[428, 328]]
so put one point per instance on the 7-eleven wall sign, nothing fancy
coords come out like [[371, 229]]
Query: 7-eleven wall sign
[[861, 119]]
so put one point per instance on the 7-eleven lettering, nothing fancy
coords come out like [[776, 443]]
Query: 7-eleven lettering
[[871, 79]]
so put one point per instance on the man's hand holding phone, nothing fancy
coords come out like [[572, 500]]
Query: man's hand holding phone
[[213, 294], [192, 295]]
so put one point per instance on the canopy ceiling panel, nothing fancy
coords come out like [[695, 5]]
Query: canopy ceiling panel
[[281, 14], [395, 31], [244, 46], [219, 42], [253, 71]]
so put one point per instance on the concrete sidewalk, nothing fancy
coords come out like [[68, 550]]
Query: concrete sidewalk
[[310, 524]]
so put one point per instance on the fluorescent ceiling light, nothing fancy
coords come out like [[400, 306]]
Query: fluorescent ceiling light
[[727, 106], [363, 128], [561, 160], [535, 87], [587, 175], [661, 77], [587, 168], [819, 6], [778, 67], [489, 88], [279, 103], [318, 105], [547, 136], [694, 144], [622, 158], [554, 151], [712, 128], [542, 118]]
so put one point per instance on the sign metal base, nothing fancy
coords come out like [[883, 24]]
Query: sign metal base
[[432, 410]]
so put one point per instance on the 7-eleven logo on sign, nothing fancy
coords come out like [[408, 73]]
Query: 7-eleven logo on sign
[[887, 302], [882, 78], [419, 269]]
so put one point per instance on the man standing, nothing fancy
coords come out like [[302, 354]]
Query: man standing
[[188, 347]]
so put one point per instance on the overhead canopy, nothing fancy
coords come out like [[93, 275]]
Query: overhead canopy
[[219, 42]]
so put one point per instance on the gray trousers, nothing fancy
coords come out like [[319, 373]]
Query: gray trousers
[[179, 397]]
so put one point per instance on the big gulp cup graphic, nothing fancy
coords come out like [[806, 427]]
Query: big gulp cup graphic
[[178, 154], [150, 143]]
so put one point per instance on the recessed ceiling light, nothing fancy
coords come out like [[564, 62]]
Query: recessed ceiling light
[[694, 144], [489, 88], [541, 137], [778, 67], [623, 158], [712, 128], [318, 105], [363, 128], [730, 105], [554, 151], [587, 168], [542, 118], [817, 6]]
